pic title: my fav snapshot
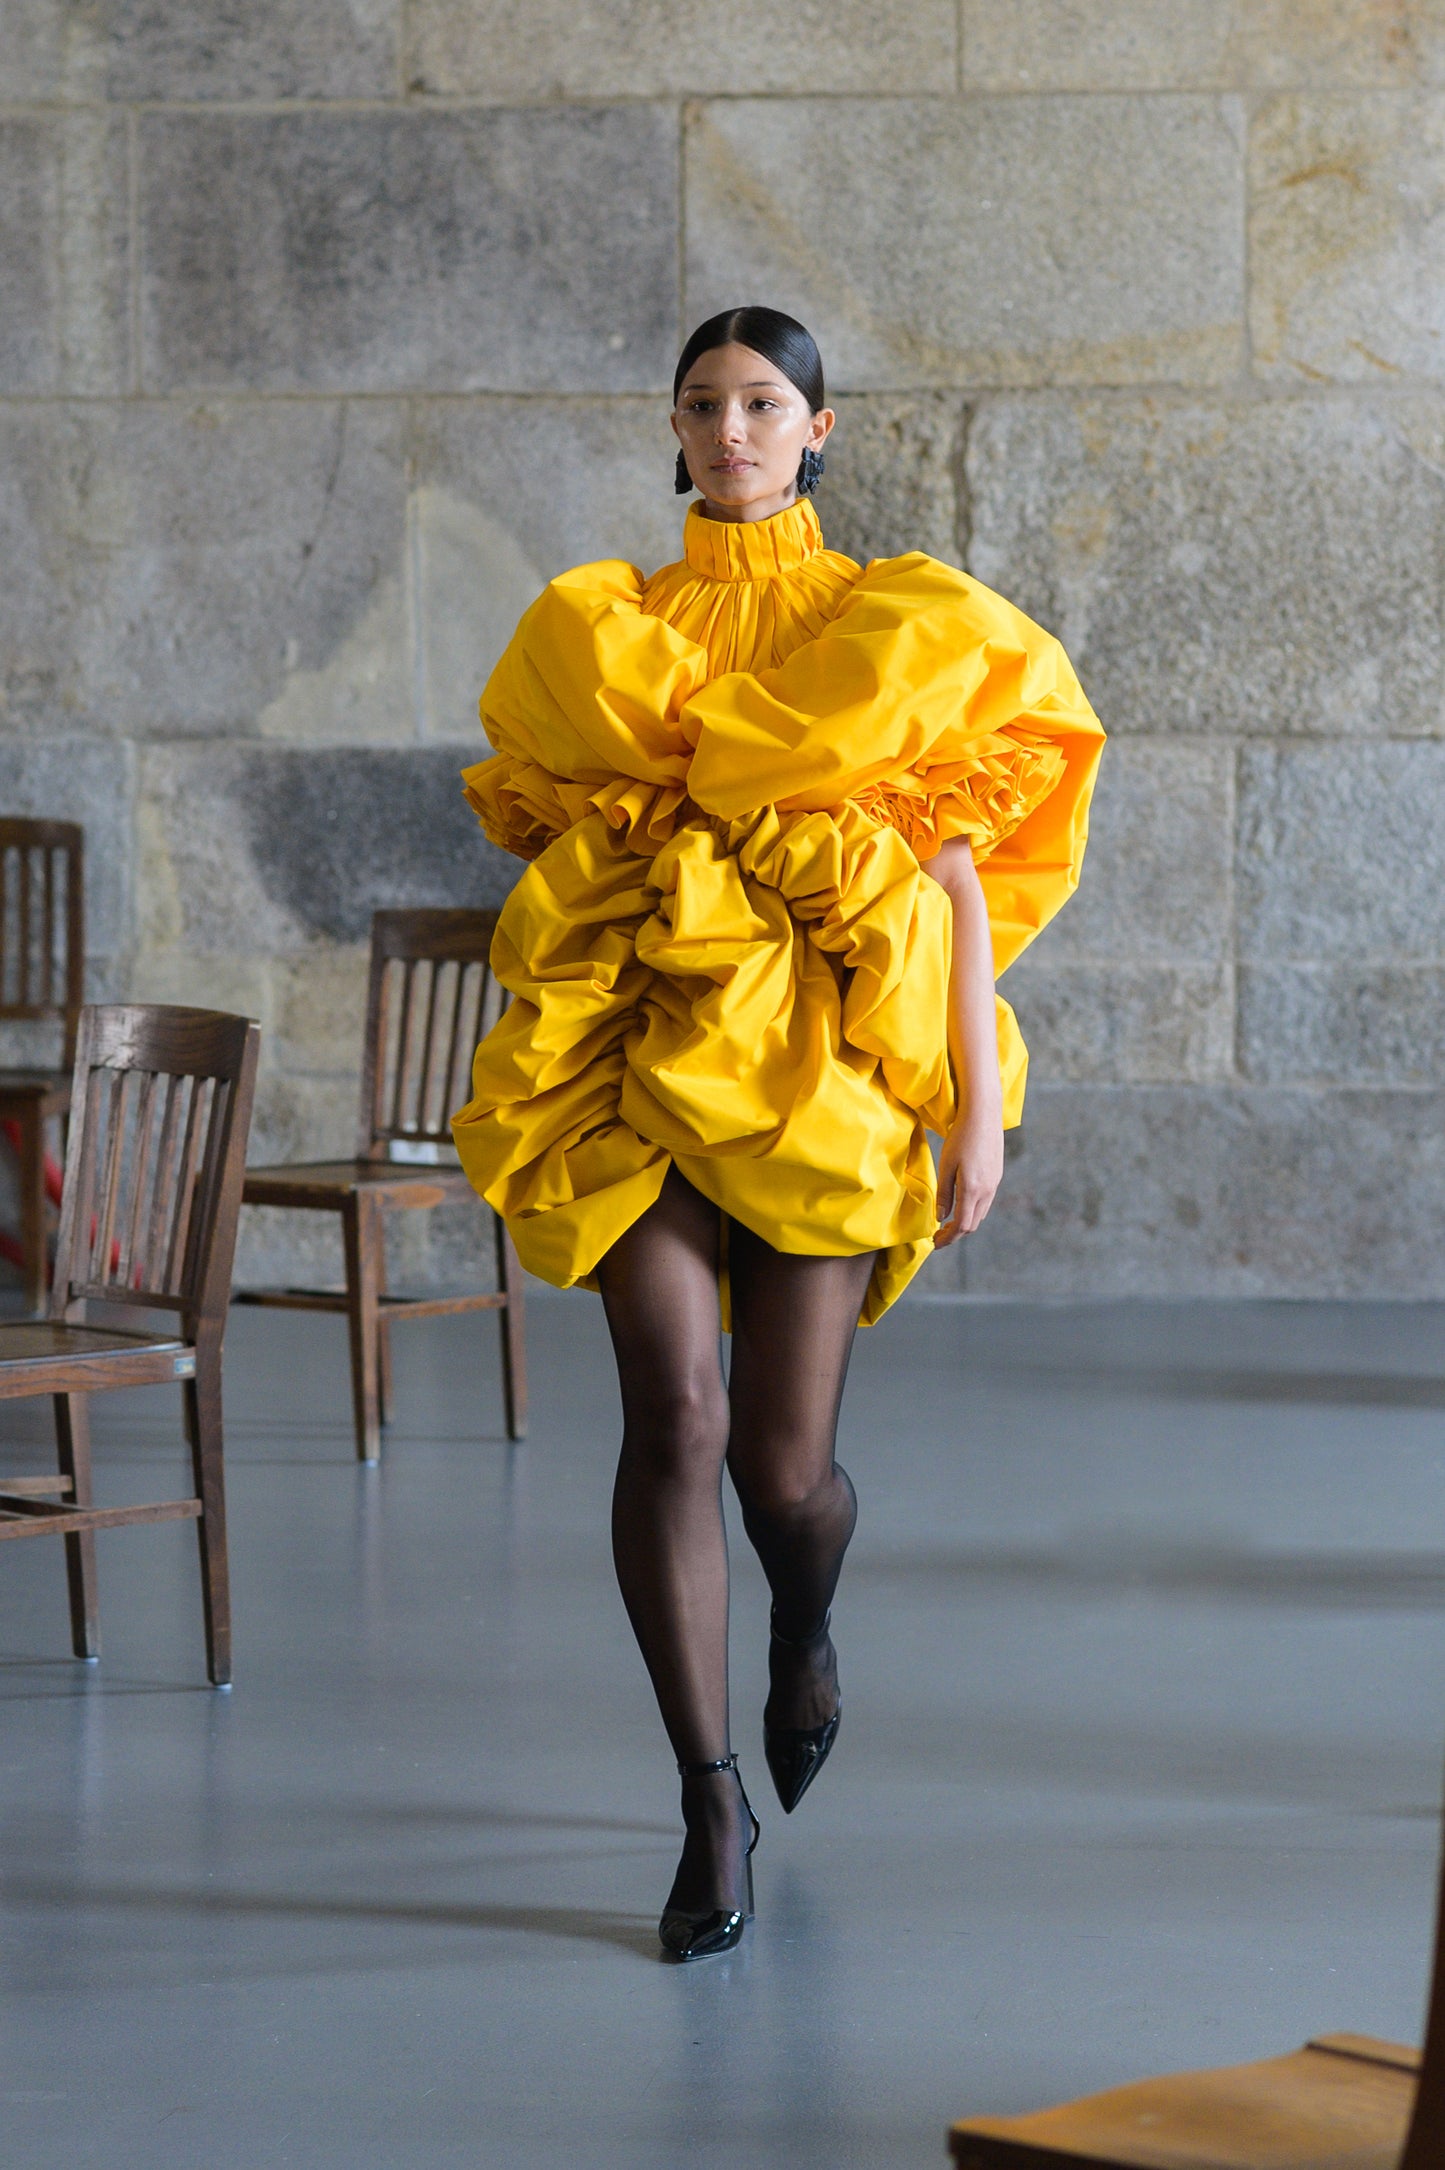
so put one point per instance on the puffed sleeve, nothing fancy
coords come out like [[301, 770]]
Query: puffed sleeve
[[582, 710], [933, 703]]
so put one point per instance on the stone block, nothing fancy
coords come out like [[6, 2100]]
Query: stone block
[[180, 49], [511, 492], [1374, 1024], [251, 849], [894, 469], [1124, 1024], [1155, 888], [1339, 854], [1037, 45], [74, 779], [180, 570], [1240, 567], [64, 223], [986, 241], [697, 48], [444, 251], [1347, 242], [1218, 1191], [320, 1014]]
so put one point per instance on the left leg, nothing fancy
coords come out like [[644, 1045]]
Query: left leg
[[794, 1319]]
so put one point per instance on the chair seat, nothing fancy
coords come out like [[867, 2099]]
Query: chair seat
[[325, 1185], [1340, 2103], [49, 1357], [51, 1088]]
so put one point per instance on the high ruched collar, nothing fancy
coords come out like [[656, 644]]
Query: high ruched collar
[[751, 549]]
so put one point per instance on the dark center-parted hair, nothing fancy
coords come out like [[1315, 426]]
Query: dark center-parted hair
[[786, 343]]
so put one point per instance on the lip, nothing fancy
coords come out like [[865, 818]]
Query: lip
[[729, 467]]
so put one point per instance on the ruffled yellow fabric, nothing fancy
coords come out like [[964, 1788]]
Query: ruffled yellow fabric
[[724, 952]]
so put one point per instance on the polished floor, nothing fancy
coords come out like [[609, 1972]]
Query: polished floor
[[1143, 1645]]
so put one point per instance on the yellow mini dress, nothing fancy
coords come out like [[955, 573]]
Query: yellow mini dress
[[723, 953]]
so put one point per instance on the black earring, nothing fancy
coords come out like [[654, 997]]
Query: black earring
[[683, 483], [810, 471]]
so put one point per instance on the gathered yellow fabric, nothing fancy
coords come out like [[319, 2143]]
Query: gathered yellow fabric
[[723, 953]]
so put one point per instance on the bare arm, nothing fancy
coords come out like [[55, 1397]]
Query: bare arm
[[970, 1166]]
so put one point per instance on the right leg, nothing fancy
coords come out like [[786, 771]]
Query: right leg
[[659, 1286]]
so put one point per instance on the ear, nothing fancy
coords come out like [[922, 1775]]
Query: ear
[[672, 425], [818, 427]]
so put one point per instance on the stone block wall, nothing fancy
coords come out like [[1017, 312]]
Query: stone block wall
[[330, 328]]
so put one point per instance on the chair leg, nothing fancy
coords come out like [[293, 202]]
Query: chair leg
[[513, 1320], [384, 1395], [201, 1398], [32, 1206], [361, 1317], [72, 1454]]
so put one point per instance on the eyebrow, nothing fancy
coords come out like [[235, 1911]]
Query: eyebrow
[[754, 384]]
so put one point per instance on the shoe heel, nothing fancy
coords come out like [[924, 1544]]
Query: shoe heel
[[748, 1865]]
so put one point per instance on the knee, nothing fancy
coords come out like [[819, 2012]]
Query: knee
[[780, 1493], [677, 1431]]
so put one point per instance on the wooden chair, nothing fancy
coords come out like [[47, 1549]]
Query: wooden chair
[[1343, 2102], [161, 1105], [430, 997], [42, 978]]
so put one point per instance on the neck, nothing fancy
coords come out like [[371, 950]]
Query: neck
[[763, 509]]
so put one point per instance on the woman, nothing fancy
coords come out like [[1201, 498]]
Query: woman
[[785, 818]]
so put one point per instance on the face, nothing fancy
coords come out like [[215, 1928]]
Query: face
[[742, 426]]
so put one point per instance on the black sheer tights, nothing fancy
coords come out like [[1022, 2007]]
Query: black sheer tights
[[773, 1425]]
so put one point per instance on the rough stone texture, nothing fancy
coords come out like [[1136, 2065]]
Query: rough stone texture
[[1280, 1192], [1125, 1024], [510, 492], [650, 48], [273, 847], [997, 241], [1033, 45], [264, 49], [371, 252], [1369, 1023], [1234, 567], [1339, 858], [894, 473], [1347, 238], [176, 569], [64, 324]]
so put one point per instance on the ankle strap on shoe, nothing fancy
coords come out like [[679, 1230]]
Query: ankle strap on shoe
[[799, 1642], [706, 1770]]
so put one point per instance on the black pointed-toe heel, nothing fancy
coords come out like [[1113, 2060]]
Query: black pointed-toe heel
[[704, 1936], [796, 1753]]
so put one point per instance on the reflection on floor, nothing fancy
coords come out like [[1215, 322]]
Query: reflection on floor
[[1143, 1646]]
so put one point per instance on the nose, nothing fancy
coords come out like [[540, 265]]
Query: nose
[[730, 426]]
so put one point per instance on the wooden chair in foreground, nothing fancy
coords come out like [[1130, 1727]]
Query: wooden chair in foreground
[[42, 976], [160, 1108], [1343, 2102], [429, 999]]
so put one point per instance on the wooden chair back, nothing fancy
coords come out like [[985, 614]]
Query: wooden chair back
[[160, 1107], [430, 999], [42, 924]]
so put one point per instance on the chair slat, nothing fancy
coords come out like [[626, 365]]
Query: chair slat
[[109, 1171], [137, 1220], [158, 1224], [22, 988], [47, 947], [185, 1186], [424, 1081], [396, 1124]]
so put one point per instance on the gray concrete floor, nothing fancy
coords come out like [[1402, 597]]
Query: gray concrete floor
[[1142, 1645]]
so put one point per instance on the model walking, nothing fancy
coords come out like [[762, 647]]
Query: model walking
[[786, 819]]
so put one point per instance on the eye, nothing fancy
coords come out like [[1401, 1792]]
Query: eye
[[698, 406], [764, 404]]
